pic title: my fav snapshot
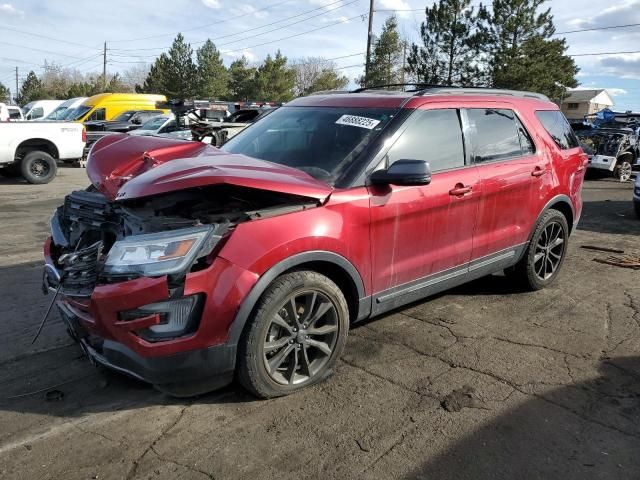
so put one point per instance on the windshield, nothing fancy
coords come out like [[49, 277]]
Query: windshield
[[58, 114], [153, 124], [79, 112], [124, 116], [322, 141]]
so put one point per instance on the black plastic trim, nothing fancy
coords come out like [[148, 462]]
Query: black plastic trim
[[554, 201], [270, 275], [430, 285]]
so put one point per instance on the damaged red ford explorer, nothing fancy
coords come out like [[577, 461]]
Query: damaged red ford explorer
[[187, 266]]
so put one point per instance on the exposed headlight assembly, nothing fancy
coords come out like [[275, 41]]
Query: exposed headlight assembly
[[164, 253]]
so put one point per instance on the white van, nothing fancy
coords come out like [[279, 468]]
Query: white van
[[38, 109], [64, 108], [10, 113]]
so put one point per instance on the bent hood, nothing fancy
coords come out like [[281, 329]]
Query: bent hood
[[123, 167]]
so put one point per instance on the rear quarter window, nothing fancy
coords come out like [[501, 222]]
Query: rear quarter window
[[556, 125]]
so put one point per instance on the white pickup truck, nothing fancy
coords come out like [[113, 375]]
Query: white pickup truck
[[31, 149]]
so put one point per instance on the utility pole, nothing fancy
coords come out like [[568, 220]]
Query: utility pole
[[15, 95], [104, 67], [369, 37]]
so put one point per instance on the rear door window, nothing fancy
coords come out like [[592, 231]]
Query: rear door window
[[495, 134], [98, 114], [434, 136], [556, 125]]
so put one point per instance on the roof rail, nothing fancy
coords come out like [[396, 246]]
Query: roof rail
[[329, 92], [481, 91], [417, 87], [420, 88]]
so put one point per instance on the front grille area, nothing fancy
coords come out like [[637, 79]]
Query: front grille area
[[80, 270], [86, 208]]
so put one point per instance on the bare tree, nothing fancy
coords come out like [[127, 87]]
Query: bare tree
[[316, 73], [135, 75]]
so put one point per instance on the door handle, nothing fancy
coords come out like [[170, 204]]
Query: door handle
[[459, 190], [538, 172]]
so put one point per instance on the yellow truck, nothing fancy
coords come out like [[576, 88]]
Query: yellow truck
[[107, 106]]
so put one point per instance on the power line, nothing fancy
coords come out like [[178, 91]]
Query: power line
[[38, 49], [14, 29], [598, 28], [362, 15], [324, 11], [602, 53], [205, 25]]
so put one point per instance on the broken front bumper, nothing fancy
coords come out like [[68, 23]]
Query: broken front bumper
[[203, 359]]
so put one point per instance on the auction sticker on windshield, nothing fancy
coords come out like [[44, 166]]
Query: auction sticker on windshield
[[355, 121]]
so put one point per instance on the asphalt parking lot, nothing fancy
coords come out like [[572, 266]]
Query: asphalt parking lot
[[483, 382]]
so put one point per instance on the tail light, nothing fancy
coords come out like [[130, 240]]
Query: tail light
[[84, 135]]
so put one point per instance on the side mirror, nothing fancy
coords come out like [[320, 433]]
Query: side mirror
[[403, 172], [136, 121]]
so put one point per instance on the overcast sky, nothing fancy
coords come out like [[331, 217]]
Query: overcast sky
[[136, 31]]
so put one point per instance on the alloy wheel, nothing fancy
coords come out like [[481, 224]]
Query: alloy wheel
[[300, 338], [549, 251], [624, 171], [39, 168]]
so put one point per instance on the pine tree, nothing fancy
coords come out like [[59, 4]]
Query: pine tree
[[385, 64], [519, 38], [174, 74], [181, 74], [31, 89], [451, 42], [4, 94], [242, 85], [275, 80], [213, 77], [155, 81]]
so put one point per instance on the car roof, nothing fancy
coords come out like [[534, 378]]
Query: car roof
[[412, 99]]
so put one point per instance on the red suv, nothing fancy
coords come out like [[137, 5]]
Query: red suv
[[185, 266]]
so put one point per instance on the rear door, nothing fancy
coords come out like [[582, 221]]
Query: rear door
[[513, 176], [422, 236]]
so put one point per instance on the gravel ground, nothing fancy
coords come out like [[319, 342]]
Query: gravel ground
[[483, 382]]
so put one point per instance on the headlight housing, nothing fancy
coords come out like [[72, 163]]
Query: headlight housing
[[164, 253]]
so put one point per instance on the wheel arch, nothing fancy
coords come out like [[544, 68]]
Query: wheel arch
[[562, 203], [330, 264], [36, 144]]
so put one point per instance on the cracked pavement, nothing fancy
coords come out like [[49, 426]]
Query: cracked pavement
[[549, 382]]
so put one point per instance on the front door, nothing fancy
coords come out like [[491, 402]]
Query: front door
[[422, 236]]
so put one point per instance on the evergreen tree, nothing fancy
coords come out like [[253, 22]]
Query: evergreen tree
[[451, 43], [4, 94], [174, 74], [385, 63], [31, 89], [539, 66], [275, 80], [155, 81], [242, 84], [213, 78], [181, 73], [518, 37]]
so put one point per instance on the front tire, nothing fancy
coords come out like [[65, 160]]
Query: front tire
[[297, 333], [545, 254], [623, 169], [38, 167]]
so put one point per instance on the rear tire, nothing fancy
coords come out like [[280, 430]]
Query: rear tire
[[543, 259], [297, 333], [38, 167]]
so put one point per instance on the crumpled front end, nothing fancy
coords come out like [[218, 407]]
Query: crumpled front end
[[141, 285]]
